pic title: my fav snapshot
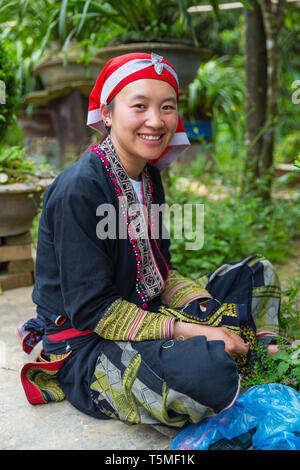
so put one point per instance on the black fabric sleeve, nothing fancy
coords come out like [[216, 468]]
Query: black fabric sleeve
[[85, 266]]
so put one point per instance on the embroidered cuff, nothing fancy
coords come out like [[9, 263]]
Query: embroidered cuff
[[125, 321], [180, 291]]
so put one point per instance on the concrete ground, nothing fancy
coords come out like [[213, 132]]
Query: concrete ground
[[54, 426]]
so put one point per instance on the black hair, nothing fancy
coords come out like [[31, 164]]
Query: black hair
[[86, 148], [110, 106]]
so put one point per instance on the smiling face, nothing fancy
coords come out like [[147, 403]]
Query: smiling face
[[143, 121]]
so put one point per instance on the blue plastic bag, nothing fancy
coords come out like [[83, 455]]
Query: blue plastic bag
[[272, 409]]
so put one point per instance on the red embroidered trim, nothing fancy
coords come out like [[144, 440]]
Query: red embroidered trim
[[141, 289], [149, 225], [67, 334], [136, 324], [32, 392]]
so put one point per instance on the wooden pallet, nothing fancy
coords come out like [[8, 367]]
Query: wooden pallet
[[16, 262]]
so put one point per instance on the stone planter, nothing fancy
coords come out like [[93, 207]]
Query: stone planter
[[18, 208], [186, 59], [52, 71]]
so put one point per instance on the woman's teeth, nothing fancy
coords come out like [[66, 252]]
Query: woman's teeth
[[150, 137]]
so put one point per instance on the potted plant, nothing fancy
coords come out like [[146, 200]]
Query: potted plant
[[150, 26], [58, 69], [21, 181], [45, 36], [101, 30], [9, 96], [21, 188], [22, 184], [216, 89]]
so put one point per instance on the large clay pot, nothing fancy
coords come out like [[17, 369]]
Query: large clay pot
[[53, 72], [186, 59], [18, 208]]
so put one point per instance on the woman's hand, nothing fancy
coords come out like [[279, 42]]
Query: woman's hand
[[234, 345]]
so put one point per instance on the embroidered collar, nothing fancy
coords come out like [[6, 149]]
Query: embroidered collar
[[139, 220]]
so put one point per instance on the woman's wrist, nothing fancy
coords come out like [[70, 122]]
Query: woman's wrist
[[183, 330]]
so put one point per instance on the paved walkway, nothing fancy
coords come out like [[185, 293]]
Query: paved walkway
[[54, 426]]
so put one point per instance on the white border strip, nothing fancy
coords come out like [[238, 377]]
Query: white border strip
[[179, 138], [94, 116]]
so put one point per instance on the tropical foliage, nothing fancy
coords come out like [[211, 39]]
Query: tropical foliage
[[63, 21], [283, 367], [9, 81], [217, 88]]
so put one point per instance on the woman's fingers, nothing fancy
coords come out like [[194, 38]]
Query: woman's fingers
[[234, 344]]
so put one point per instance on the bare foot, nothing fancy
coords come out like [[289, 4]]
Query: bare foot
[[272, 349]]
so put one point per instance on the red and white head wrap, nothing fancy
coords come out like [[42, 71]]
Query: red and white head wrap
[[120, 71]]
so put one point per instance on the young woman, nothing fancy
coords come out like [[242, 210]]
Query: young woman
[[125, 335]]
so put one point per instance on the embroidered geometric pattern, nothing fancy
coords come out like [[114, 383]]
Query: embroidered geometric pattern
[[125, 321], [47, 383], [248, 335], [220, 316], [215, 318], [57, 357], [180, 291], [231, 309], [266, 298], [202, 281], [124, 394], [149, 280]]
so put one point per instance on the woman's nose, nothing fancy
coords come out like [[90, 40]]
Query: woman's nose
[[154, 119]]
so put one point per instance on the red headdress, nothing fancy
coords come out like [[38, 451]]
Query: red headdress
[[120, 71]]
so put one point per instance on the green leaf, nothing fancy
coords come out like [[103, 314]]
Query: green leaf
[[62, 20], [83, 17], [281, 355], [295, 356], [282, 368]]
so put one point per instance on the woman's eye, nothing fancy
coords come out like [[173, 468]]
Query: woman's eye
[[168, 107], [139, 105]]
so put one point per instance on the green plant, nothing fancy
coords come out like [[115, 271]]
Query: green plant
[[147, 20], [288, 148], [290, 309], [64, 21], [233, 228], [34, 26], [217, 88], [15, 165], [222, 35], [10, 106], [39, 23], [283, 367]]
